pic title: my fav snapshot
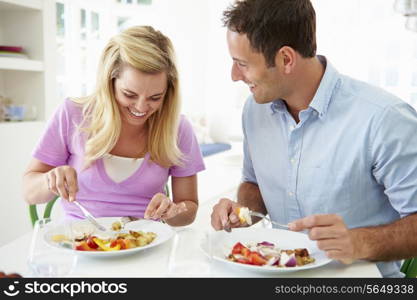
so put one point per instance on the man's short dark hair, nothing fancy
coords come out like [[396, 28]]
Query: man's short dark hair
[[272, 24]]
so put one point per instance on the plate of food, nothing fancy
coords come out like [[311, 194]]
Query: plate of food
[[81, 236], [264, 250]]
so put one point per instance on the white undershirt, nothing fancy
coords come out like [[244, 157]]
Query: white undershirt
[[119, 168]]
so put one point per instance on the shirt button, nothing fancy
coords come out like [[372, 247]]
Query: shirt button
[[292, 160], [290, 194], [292, 127]]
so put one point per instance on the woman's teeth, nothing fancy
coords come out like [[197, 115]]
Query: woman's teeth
[[136, 113]]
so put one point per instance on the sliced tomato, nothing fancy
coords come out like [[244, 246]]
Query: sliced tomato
[[83, 246], [246, 252], [121, 242], [257, 259], [91, 243], [243, 261], [102, 245], [237, 248]]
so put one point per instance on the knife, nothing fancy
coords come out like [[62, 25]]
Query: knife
[[89, 216]]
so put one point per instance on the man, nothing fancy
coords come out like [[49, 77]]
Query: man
[[322, 151]]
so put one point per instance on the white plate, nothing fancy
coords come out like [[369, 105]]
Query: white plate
[[163, 234], [222, 243]]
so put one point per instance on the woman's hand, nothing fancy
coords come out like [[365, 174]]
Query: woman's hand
[[161, 207], [62, 181]]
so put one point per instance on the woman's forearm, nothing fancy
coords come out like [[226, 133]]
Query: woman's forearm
[[186, 217], [35, 188]]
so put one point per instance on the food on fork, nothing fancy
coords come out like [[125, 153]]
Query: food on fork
[[116, 226], [244, 215], [266, 254]]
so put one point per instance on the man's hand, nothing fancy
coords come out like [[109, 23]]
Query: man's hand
[[224, 215], [331, 234]]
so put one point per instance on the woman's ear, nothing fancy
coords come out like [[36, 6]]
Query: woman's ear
[[286, 58]]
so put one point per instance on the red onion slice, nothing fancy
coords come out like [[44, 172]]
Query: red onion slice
[[266, 244], [291, 262]]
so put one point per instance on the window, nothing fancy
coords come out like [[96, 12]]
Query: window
[[367, 40], [60, 24], [413, 97], [78, 42], [144, 2], [81, 36], [83, 24], [95, 25]]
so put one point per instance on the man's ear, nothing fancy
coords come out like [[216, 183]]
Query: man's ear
[[286, 58]]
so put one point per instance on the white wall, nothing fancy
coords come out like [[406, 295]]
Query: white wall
[[17, 141]]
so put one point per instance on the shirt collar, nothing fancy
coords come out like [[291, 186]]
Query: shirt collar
[[278, 106], [323, 95]]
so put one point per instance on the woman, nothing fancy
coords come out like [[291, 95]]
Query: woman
[[114, 150]]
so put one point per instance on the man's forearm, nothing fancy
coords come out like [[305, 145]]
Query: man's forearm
[[394, 241], [250, 196]]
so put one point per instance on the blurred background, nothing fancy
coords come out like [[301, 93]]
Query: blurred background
[[49, 50]]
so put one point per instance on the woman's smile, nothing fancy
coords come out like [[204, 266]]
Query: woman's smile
[[136, 113]]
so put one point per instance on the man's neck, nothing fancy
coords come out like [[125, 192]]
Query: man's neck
[[306, 81]]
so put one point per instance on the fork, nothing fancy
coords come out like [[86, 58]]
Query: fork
[[228, 228], [264, 217], [125, 220]]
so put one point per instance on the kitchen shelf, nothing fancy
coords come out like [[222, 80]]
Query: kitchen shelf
[[30, 81], [9, 63]]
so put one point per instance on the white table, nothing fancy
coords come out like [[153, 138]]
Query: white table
[[154, 262], [220, 179]]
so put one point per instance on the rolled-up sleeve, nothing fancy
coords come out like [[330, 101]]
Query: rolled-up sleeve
[[395, 157]]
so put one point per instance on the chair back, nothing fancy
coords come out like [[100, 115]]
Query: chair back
[[409, 267], [33, 211]]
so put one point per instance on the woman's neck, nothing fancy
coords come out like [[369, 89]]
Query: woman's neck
[[132, 141], [133, 131]]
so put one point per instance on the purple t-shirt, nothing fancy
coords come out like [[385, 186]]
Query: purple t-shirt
[[61, 144]]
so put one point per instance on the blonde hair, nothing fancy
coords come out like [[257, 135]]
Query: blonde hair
[[149, 51]]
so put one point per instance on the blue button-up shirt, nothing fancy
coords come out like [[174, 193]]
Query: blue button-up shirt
[[353, 153]]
